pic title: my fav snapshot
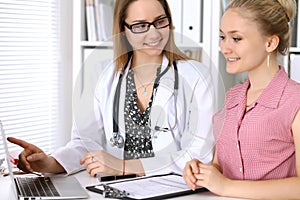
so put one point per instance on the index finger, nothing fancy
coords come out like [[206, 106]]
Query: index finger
[[22, 143], [194, 166], [189, 177]]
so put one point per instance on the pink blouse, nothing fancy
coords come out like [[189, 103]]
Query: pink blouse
[[258, 144]]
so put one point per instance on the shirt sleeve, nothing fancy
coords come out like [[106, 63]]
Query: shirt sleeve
[[88, 127]]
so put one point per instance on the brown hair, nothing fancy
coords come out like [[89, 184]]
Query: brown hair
[[272, 16], [122, 48]]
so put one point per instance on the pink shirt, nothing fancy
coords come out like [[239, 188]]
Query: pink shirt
[[258, 144]]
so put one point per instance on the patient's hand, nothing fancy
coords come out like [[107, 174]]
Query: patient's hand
[[190, 170]]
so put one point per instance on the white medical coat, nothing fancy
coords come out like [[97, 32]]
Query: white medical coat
[[190, 131]]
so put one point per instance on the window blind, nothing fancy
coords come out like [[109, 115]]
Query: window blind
[[30, 78]]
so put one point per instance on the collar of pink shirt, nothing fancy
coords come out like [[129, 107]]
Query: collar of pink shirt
[[270, 97]]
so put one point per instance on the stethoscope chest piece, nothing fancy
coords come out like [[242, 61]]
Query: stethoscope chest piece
[[117, 140]]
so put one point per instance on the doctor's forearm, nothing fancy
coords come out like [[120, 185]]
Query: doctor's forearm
[[134, 167]]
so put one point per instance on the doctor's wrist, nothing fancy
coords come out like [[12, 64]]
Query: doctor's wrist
[[53, 166], [134, 167]]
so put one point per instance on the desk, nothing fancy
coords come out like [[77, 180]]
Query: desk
[[85, 179]]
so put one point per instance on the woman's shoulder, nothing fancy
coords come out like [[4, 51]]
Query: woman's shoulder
[[292, 90], [192, 63], [105, 76], [106, 67], [93, 69], [193, 68], [294, 86]]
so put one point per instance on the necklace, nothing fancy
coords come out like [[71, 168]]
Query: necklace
[[144, 85]]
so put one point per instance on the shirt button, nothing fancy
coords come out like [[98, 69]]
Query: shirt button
[[237, 146], [241, 169]]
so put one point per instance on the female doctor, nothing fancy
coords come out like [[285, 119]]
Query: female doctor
[[147, 112]]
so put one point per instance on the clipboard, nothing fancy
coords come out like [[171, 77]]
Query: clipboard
[[148, 187]]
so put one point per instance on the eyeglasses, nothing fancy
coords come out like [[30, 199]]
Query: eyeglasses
[[143, 27]]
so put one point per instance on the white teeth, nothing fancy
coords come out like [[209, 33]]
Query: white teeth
[[232, 59], [152, 43]]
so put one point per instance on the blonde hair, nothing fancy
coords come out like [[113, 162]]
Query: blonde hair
[[272, 16], [122, 48]]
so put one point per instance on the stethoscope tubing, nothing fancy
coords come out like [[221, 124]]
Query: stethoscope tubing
[[116, 139]]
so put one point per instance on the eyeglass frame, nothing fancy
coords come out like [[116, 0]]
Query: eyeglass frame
[[149, 25]]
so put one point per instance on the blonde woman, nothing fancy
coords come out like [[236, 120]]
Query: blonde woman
[[258, 129]]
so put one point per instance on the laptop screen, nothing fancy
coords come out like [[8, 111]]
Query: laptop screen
[[9, 166]]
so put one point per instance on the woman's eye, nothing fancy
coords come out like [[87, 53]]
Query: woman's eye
[[222, 37], [140, 26], [236, 39]]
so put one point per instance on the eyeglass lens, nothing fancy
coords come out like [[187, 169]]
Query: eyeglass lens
[[145, 26]]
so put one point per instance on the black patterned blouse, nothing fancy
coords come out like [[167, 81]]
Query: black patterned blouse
[[138, 142]]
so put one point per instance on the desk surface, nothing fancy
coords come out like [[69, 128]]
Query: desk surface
[[85, 179]]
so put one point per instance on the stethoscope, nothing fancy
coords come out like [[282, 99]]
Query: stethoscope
[[117, 139]]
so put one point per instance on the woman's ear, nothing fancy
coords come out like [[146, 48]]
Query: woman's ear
[[272, 43]]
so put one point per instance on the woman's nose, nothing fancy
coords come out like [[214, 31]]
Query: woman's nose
[[225, 47], [153, 31]]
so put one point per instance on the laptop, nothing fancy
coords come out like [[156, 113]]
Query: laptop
[[39, 187]]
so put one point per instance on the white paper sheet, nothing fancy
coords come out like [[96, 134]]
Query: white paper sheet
[[147, 187]]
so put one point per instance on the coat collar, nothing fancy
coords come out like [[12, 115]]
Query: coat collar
[[270, 96]]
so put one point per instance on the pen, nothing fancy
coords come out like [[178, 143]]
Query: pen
[[113, 178]]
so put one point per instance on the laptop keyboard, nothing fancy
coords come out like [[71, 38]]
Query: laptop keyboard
[[36, 186]]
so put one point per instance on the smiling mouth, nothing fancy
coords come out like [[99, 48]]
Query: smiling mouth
[[233, 59], [153, 44]]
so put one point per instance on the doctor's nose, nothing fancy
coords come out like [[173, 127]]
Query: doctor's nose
[[153, 32]]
